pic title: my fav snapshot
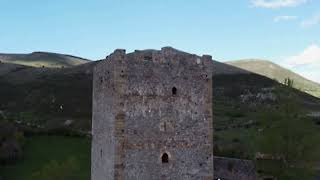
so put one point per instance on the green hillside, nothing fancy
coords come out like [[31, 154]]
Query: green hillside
[[51, 157], [58, 101], [276, 72], [43, 59]]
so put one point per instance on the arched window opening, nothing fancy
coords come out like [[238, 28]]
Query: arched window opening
[[174, 91], [165, 158]]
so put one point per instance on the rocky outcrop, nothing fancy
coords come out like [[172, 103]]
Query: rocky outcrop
[[10, 143]]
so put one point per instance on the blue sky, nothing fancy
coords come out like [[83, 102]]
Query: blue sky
[[284, 31]]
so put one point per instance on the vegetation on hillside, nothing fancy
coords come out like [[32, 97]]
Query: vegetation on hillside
[[251, 119], [51, 157], [11, 142], [47, 98], [58, 101], [53, 170], [288, 142]]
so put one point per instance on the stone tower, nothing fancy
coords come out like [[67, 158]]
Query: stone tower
[[152, 116]]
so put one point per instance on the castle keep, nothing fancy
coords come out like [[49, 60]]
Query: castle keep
[[152, 116]]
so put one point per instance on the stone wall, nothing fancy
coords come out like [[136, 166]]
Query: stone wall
[[234, 169]]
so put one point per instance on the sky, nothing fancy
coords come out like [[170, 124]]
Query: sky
[[286, 32]]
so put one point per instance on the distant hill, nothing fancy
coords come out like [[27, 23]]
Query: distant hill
[[43, 59], [276, 72]]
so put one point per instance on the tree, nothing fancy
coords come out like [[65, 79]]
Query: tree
[[288, 82]]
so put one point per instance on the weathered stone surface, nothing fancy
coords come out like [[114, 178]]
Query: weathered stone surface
[[234, 169], [152, 116]]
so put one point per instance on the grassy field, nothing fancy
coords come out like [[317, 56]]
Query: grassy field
[[48, 155]]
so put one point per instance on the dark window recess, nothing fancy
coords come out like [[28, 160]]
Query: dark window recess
[[165, 158], [101, 152], [174, 91], [122, 74]]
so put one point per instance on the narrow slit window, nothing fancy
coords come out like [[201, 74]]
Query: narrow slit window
[[165, 158], [174, 91]]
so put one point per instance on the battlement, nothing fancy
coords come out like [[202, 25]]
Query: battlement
[[165, 55]]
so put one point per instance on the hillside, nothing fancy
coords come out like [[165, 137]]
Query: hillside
[[59, 100], [274, 71], [47, 97], [42, 59], [51, 96]]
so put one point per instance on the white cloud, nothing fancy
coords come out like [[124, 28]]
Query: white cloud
[[274, 4], [306, 63], [309, 57], [314, 20], [284, 18], [312, 74]]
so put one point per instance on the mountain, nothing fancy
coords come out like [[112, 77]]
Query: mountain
[[276, 72], [51, 96], [59, 101], [43, 59]]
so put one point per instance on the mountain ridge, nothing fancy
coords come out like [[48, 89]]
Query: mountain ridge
[[42, 59], [259, 66], [274, 71]]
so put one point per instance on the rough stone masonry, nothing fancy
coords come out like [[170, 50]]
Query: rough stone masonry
[[152, 116]]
